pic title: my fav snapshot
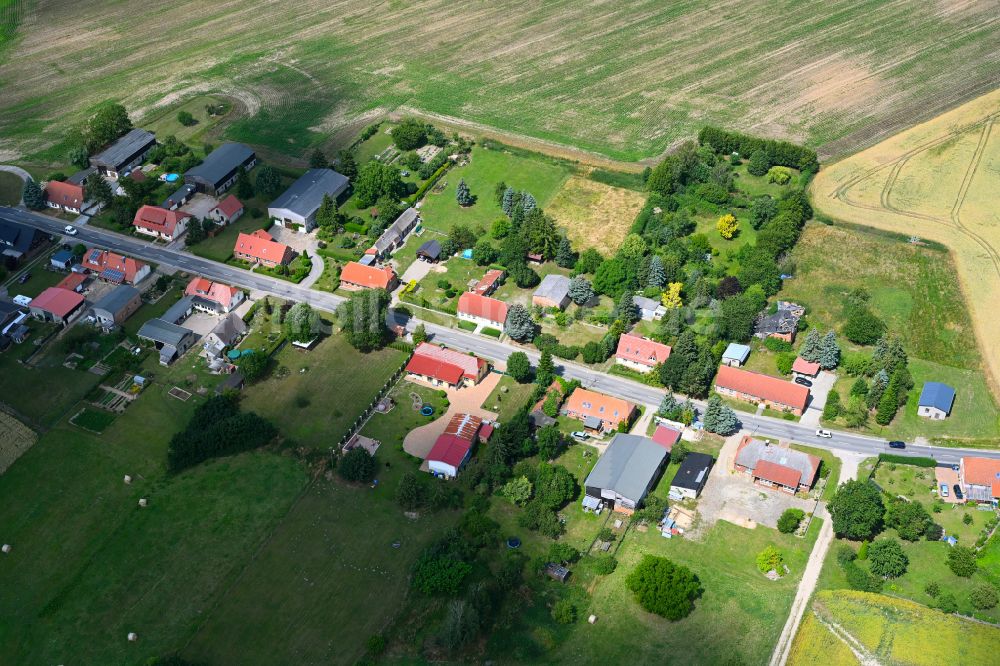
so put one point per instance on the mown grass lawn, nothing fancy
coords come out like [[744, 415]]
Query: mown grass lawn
[[11, 186], [165, 123], [329, 571], [740, 613], [441, 212], [508, 398], [313, 396], [830, 462], [89, 566]]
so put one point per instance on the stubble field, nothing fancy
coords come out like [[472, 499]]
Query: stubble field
[[625, 80], [936, 181]]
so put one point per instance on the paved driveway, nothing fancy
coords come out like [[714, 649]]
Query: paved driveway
[[466, 400], [819, 391], [199, 205], [299, 242], [735, 498]]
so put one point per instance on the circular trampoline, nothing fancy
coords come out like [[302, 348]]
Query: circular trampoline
[[426, 410], [513, 542]]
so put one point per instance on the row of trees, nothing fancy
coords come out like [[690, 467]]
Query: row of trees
[[217, 428]]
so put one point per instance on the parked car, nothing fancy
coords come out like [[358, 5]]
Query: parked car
[[958, 491], [580, 435], [944, 490], [896, 444], [803, 381], [70, 230], [24, 277], [824, 433]]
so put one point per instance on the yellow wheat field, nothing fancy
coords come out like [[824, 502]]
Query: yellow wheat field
[[940, 181]]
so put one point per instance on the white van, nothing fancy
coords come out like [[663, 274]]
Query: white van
[[23, 301]]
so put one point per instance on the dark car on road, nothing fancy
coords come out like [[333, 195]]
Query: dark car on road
[[896, 444], [803, 381], [958, 491]]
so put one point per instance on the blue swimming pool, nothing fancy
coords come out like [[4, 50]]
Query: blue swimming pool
[[171, 177]]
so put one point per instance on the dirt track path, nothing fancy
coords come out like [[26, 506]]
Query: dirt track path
[[814, 566]]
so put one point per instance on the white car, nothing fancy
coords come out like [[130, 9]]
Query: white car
[[824, 433], [580, 435], [70, 230]]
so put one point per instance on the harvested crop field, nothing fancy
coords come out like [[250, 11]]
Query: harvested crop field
[[15, 439], [937, 181], [594, 214], [625, 80]]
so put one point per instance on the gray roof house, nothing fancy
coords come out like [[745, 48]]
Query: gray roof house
[[180, 197], [221, 167], [169, 339], [692, 476], [553, 292], [626, 472], [179, 311], [429, 251], [226, 332], [298, 204], [649, 309], [936, 400], [125, 153], [117, 305], [18, 240], [395, 234], [782, 324]]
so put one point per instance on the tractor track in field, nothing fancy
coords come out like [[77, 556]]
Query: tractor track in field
[[954, 220]]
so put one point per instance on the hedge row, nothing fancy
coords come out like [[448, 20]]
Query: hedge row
[[907, 460], [779, 153], [430, 183]]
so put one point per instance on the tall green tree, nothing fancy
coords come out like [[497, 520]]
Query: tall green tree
[[758, 164], [565, 257], [546, 370], [519, 367], [664, 588], [32, 195], [857, 510], [268, 180], [519, 325], [244, 188], [409, 134], [810, 349], [98, 190], [887, 558], [626, 310], [462, 194], [317, 159], [580, 290], [829, 351], [347, 165], [377, 180], [362, 317], [657, 276], [108, 123]]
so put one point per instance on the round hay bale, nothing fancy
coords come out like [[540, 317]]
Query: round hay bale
[[127, 479], [6, 548], [142, 501], [132, 637]]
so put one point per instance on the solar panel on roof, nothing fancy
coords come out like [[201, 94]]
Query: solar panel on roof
[[113, 275], [94, 256]]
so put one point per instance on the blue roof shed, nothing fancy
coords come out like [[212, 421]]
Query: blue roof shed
[[937, 395]]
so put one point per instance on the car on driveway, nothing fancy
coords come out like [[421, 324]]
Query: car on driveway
[[958, 491], [896, 444], [803, 382], [825, 434], [944, 490], [70, 230], [580, 436]]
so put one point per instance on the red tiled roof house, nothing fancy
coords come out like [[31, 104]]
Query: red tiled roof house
[[777, 467], [355, 276], [640, 354], [666, 436], [453, 447], [160, 222], [214, 297], [598, 411], [56, 304], [261, 248], [63, 195], [804, 368], [980, 479], [482, 310], [227, 211], [489, 282], [439, 365], [761, 389], [114, 268]]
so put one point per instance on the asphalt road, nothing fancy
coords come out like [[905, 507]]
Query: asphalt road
[[485, 347]]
